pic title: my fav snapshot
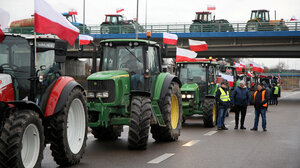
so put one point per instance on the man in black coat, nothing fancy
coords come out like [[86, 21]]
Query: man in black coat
[[260, 104], [240, 101]]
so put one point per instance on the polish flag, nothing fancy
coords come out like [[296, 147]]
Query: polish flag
[[238, 67], [119, 10], [229, 79], [4, 19], [197, 45], [249, 74], [278, 79], [184, 55], [211, 7], [257, 68], [47, 20], [293, 18], [85, 39], [170, 38]]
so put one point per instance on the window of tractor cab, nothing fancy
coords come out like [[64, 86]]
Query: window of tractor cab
[[192, 73], [254, 15], [152, 60], [114, 19], [46, 59], [120, 18], [123, 58]]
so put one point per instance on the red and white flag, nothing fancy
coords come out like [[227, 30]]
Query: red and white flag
[[47, 20], [278, 79], [85, 39], [249, 74], [170, 38], [238, 67], [119, 10], [211, 7], [4, 19], [293, 18], [184, 55], [197, 45], [257, 68], [229, 79]]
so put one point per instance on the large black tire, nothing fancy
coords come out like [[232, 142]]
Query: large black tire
[[60, 145], [106, 134], [16, 138], [139, 122], [209, 112], [169, 132]]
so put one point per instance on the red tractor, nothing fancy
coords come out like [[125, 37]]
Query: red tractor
[[38, 105]]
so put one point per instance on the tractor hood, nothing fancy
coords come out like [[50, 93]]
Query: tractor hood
[[189, 87], [105, 75]]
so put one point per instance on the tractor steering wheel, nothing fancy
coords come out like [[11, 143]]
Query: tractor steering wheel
[[13, 67]]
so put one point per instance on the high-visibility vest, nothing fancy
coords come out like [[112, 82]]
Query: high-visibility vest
[[262, 97], [224, 96], [276, 90]]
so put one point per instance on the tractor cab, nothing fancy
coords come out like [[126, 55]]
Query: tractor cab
[[70, 16], [198, 88], [260, 15], [113, 19], [115, 24], [27, 71], [203, 17]]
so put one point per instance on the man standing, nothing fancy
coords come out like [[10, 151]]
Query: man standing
[[223, 100], [276, 94], [260, 104], [240, 101]]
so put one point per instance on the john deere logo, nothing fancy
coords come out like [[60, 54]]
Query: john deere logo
[[95, 83]]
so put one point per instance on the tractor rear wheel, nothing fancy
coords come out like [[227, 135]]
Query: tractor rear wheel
[[139, 122], [171, 109], [209, 113], [69, 130], [106, 134], [22, 140]]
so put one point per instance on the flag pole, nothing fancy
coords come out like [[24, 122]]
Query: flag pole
[[35, 54]]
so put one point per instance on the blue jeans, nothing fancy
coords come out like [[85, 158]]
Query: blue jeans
[[261, 112], [221, 116]]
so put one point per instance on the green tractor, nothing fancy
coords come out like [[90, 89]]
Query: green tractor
[[131, 89], [115, 24], [198, 89], [205, 23]]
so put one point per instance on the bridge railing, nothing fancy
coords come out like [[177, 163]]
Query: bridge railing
[[180, 28]]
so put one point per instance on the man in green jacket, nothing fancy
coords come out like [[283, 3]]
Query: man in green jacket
[[276, 94]]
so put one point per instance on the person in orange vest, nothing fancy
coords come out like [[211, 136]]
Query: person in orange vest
[[260, 104]]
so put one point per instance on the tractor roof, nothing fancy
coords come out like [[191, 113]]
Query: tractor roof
[[129, 40], [28, 36], [260, 10], [113, 15], [203, 12]]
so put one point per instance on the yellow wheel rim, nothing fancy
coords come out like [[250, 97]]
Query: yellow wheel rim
[[214, 113], [174, 112]]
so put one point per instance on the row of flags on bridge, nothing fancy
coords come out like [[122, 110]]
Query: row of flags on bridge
[[48, 20]]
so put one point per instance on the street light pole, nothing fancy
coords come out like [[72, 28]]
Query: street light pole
[[146, 15], [137, 19]]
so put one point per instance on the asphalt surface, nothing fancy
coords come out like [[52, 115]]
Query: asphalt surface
[[206, 147]]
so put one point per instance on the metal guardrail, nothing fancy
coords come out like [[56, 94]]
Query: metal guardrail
[[181, 28]]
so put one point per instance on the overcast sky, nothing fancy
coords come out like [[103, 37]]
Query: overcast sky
[[162, 11]]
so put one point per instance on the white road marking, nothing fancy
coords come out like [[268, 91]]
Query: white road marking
[[227, 125], [191, 143], [89, 135], [249, 114], [232, 121], [161, 158], [288, 95], [210, 133]]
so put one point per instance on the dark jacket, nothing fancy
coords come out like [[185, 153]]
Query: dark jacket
[[258, 103], [240, 96], [220, 103]]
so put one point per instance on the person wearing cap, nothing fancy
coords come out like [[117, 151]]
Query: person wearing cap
[[260, 104], [223, 101], [240, 101]]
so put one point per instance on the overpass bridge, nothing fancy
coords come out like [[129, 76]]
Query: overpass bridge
[[267, 44]]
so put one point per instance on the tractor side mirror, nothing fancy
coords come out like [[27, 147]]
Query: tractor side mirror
[[60, 51]]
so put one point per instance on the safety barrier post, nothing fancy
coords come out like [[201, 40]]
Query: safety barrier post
[[237, 27], [167, 28]]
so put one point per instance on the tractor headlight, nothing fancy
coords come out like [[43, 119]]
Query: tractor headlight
[[189, 96], [183, 96], [90, 95], [102, 94]]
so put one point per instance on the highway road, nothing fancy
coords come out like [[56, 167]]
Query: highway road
[[206, 147]]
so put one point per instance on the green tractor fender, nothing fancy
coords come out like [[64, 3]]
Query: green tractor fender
[[162, 84]]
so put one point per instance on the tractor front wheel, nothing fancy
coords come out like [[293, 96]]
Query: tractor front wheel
[[209, 113], [171, 109], [69, 130], [22, 140], [139, 122]]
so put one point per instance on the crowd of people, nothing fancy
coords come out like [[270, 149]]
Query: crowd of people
[[263, 96]]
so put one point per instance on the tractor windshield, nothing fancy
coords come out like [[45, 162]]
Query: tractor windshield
[[15, 54], [125, 58], [192, 73]]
